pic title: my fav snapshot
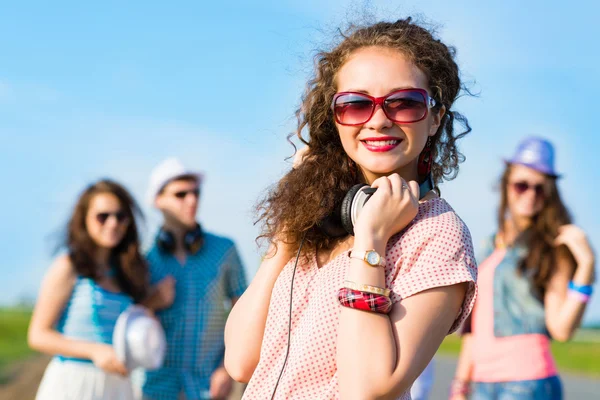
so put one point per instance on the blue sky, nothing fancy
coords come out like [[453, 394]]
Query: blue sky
[[110, 89]]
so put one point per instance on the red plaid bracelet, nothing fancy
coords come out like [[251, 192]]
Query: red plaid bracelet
[[364, 301]]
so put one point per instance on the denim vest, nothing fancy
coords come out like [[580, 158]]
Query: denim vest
[[517, 309]]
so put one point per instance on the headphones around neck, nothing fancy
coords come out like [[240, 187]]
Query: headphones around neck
[[341, 222], [192, 240]]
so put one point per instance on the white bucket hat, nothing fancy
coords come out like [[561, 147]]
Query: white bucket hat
[[165, 172], [139, 339]]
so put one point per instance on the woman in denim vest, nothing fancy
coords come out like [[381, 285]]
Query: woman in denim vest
[[83, 294], [535, 276]]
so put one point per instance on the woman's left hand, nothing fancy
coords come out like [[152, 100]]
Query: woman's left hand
[[576, 241]]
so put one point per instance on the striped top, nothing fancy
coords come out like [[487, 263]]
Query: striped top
[[91, 313], [195, 323]]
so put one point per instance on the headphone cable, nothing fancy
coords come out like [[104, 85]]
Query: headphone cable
[[287, 352]]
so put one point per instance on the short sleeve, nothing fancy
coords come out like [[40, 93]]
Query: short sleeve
[[436, 250], [235, 276]]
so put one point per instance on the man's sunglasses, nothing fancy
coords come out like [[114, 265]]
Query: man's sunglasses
[[522, 187], [401, 106], [120, 216], [182, 194]]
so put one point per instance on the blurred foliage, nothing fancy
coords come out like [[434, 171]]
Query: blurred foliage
[[13, 337]]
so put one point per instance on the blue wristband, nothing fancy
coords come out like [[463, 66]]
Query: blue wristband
[[583, 289]]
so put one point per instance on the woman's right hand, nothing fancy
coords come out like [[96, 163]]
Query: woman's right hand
[[393, 206], [104, 357]]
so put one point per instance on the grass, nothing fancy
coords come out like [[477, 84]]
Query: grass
[[13, 338], [579, 356]]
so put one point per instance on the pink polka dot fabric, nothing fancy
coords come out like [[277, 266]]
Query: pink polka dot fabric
[[435, 250]]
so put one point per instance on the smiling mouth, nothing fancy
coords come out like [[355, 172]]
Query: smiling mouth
[[382, 143]]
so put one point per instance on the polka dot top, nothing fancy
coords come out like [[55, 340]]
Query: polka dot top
[[435, 250]]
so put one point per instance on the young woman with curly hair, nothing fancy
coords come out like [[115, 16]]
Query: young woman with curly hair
[[367, 311]]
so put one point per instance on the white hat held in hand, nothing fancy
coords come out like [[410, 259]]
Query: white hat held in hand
[[139, 339]]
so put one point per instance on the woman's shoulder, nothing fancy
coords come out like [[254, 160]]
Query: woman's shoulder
[[63, 266], [436, 225], [62, 271], [436, 216]]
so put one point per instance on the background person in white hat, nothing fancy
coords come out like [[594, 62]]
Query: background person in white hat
[[193, 273]]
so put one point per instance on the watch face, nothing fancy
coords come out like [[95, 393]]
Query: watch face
[[373, 258]]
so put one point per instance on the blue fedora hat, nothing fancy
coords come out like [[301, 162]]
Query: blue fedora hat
[[536, 153]]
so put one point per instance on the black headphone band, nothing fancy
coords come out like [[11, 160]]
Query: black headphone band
[[192, 240]]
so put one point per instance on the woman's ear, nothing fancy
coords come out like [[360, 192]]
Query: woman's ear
[[437, 120]]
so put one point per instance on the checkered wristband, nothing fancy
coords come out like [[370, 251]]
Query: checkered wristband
[[364, 301]]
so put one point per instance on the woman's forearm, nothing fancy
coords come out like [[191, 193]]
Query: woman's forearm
[[464, 366], [54, 343], [246, 323], [563, 325], [362, 334]]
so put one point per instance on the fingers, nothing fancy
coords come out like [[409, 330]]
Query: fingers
[[395, 184], [168, 281], [299, 157], [120, 368], [414, 189], [382, 184]]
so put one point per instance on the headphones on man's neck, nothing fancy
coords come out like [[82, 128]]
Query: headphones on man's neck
[[192, 240]]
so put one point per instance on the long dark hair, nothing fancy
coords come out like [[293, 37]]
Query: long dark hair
[[542, 255], [306, 195], [130, 266]]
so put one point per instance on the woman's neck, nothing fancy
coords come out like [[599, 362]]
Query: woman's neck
[[408, 173], [512, 229], [102, 257]]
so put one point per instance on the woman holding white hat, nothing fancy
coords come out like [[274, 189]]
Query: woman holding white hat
[[535, 278], [84, 293]]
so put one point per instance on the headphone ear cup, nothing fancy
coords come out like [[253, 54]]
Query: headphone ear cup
[[346, 207], [193, 240], [165, 241], [332, 226]]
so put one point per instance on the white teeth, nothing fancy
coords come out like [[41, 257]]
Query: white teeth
[[382, 142]]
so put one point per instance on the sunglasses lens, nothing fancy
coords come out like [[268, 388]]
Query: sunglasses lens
[[352, 109], [539, 191], [180, 195], [520, 187], [121, 216], [406, 106], [102, 217]]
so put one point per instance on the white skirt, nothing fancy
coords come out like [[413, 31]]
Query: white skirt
[[72, 380]]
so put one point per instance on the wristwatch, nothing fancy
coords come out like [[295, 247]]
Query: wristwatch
[[371, 257]]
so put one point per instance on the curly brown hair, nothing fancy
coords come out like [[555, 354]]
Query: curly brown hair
[[130, 267], [540, 261], [306, 195]]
